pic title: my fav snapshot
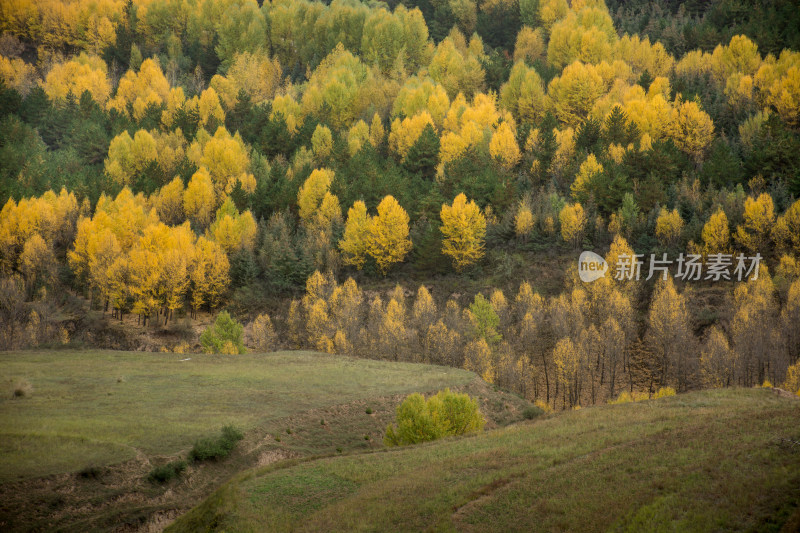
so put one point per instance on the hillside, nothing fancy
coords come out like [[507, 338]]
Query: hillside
[[713, 460], [76, 449]]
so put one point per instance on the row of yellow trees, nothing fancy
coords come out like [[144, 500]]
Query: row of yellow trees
[[581, 347]]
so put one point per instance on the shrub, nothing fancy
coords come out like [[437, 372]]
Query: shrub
[[663, 392], [90, 472], [767, 384], [21, 388], [164, 473], [628, 397], [443, 414], [544, 406], [532, 412], [368, 410], [624, 397], [792, 382], [213, 448], [224, 336]]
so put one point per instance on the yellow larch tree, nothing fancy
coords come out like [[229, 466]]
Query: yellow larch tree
[[464, 230], [691, 129], [200, 199], [322, 142], [168, 202], [478, 358], [759, 219], [717, 360], [209, 274], [524, 221], [786, 231], [670, 335], [128, 156], [376, 131], [569, 363], [503, 146], [141, 89], [255, 74], [529, 45], [226, 159], [233, 231], [716, 234], [82, 73], [573, 223], [354, 243], [575, 92], [388, 241], [589, 171], [17, 74], [313, 192], [405, 132], [669, 226], [357, 136]]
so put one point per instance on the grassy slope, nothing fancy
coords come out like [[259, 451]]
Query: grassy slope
[[711, 460], [102, 407]]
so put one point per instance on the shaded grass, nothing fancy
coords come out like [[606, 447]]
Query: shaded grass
[[709, 460], [102, 407]]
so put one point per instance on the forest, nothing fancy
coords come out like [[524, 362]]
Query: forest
[[409, 181]]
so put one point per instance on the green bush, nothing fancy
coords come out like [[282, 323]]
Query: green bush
[[213, 448], [532, 412], [443, 414], [224, 336], [164, 473]]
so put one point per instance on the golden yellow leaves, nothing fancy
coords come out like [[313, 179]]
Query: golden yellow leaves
[[503, 146], [388, 241], [573, 223], [357, 136], [287, 107], [226, 160], [716, 234], [669, 226], [575, 92], [83, 73], [233, 231], [199, 198], [31, 229], [128, 156], [141, 89], [529, 46], [322, 142], [524, 94], [406, 132], [384, 236], [17, 74], [459, 71], [136, 262], [524, 221], [255, 74], [315, 202], [585, 35], [691, 129], [759, 217], [417, 96], [354, 243], [589, 171], [464, 230]]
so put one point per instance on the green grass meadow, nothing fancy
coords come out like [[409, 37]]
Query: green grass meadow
[[706, 461], [104, 407]]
